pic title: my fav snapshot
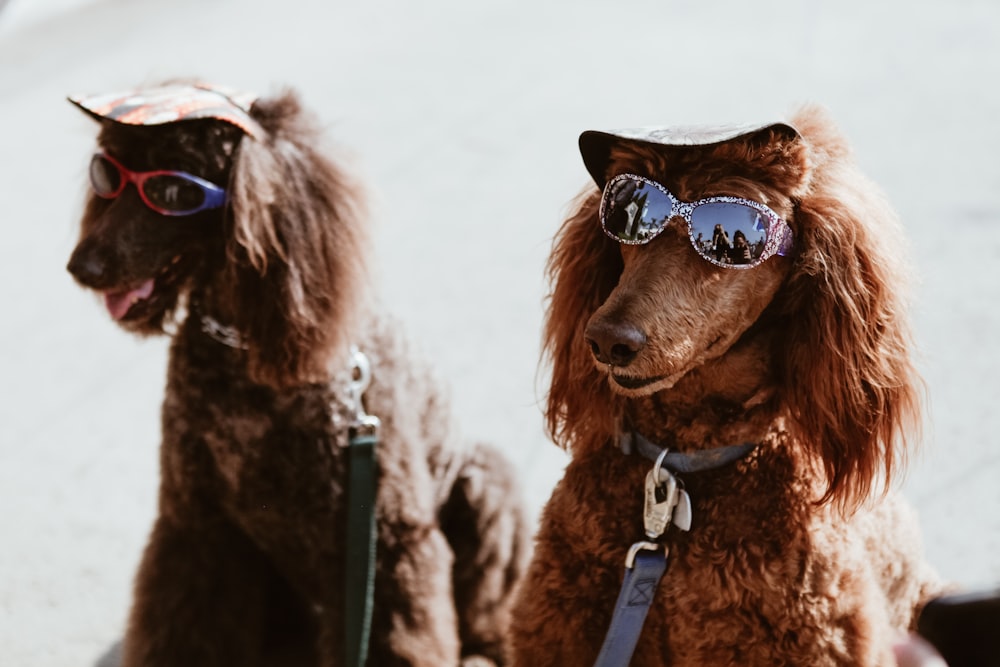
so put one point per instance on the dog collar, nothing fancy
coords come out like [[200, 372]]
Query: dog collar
[[680, 462]]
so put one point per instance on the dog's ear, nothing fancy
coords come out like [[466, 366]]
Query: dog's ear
[[583, 269], [854, 392], [295, 247]]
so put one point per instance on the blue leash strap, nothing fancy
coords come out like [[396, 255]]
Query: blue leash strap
[[665, 504], [644, 566]]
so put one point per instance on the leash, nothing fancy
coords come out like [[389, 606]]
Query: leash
[[359, 582], [665, 503], [645, 564]]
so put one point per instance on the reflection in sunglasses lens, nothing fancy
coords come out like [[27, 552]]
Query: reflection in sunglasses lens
[[173, 193], [104, 176], [636, 211], [728, 233]]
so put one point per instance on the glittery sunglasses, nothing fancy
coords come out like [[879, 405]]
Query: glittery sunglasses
[[166, 192], [730, 232]]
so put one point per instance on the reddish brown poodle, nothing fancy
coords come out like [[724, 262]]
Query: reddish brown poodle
[[796, 554], [220, 219]]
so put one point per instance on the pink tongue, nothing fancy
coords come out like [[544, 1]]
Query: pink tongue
[[118, 303]]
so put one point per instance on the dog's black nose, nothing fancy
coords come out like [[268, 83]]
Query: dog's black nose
[[615, 343], [89, 266]]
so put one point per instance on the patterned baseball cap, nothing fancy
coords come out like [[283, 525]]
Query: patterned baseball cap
[[171, 103], [595, 146]]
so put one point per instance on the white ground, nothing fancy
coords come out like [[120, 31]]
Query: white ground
[[462, 118]]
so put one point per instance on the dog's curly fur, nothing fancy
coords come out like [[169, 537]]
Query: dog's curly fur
[[245, 564], [799, 554]]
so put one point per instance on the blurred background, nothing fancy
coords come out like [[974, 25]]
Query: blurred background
[[462, 118]]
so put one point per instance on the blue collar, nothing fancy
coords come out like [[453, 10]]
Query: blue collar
[[679, 462]]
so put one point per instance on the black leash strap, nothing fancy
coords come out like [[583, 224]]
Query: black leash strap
[[359, 574]]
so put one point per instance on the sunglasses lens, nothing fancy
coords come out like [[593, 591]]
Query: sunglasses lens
[[175, 194], [635, 211], [728, 233], [104, 176]]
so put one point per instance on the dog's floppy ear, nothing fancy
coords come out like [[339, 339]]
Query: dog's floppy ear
[[853, 390], [294, 247], [583, 269]]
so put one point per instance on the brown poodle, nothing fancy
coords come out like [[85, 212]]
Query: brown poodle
[[797, 553], [218, 218]]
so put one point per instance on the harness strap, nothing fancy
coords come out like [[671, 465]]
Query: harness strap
[[642, 574]]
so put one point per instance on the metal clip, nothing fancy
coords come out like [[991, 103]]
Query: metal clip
[[682, 513], [660, 499], [361, 377], [643, 546]]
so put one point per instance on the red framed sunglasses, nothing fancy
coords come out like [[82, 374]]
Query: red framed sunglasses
[[166, 192]]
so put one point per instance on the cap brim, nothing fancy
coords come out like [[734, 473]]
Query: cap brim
[[173, 103], [595, 145]]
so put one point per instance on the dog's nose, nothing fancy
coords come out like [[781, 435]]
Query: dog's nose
[[615, 343], [88, 266]]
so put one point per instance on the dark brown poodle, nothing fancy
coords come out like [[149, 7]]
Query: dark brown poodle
[[796, 553], [263, 289]]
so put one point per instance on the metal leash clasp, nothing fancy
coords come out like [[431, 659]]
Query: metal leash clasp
[[666, 501], [661, 497], [362, 423]]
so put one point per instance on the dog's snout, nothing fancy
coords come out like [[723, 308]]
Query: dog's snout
[[615, 343], [89, 266]]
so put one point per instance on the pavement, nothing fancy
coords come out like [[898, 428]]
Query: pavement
[[462, 118]]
